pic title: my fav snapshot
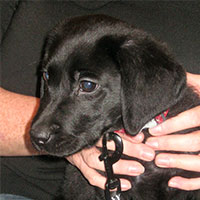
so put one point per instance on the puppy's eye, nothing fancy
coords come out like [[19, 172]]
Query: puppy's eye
[[87, 86], [45, 76]]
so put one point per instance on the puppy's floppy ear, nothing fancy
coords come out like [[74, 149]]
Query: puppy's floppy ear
[[151, 81]]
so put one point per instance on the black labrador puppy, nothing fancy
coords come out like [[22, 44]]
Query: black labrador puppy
[[100, 75]]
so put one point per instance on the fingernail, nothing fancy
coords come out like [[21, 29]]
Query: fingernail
[[162, 162], [173, 183], [155, 130], [139, 138], [147, 155], [125, 185], [136, 170], [152, 143]]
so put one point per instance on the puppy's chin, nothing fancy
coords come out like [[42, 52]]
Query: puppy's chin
[[64, 147], [56, 147]]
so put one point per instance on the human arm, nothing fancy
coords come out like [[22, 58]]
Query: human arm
[[16, 113], [187, 142]]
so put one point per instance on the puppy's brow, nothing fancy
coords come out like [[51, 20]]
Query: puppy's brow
[[87, 74], [84, 73]]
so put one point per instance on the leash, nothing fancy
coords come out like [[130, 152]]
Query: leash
[[109, 159]]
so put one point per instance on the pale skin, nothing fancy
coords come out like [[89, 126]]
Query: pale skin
[[17, 111], [189, 142]]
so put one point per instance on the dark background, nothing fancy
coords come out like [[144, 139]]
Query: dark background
[[24, 25], [24, 30]]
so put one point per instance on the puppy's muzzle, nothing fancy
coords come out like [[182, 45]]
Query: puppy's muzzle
[[42, 135]]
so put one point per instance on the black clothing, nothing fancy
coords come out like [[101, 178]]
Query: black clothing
[[24, 26]]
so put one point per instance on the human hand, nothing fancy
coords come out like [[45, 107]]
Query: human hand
[[187, 142], [194, 81], [87, 161]]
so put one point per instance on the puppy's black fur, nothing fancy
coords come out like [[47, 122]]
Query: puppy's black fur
[[103, 75]]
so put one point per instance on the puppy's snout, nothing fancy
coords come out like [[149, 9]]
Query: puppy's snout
[[42, 135]]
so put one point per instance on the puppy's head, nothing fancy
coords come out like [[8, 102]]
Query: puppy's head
[[99, 75]]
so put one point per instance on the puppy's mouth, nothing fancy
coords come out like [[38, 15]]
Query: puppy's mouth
[[63, 145], [57, 142]]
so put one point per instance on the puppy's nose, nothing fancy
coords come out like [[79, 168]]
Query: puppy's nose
[[40, 138], [41, 135]]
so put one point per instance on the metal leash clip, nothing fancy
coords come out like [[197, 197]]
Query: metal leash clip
[[109, 159]]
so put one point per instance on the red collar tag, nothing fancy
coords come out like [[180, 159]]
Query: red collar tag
[[162, 117], [120, 131]]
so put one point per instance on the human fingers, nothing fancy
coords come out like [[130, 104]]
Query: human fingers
[[132, 148], [194, 80], [181, 161], [185, 183], [93, 177], [185, 120], [125, 167], [134, 139], [185, 142]]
